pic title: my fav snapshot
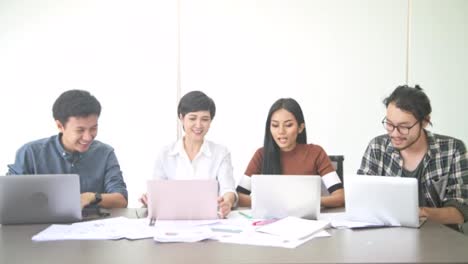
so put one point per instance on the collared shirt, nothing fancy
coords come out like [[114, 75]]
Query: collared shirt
[[98, 167], [444, 180], [213, 161]]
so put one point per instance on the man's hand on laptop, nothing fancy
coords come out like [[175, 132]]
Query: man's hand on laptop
[[444, 215], [87, 198]]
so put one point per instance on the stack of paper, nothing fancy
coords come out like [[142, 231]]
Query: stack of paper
[[289, 232], [341, 220]]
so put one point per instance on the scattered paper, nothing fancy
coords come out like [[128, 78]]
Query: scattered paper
[[289, 232], [111, 228], [341, 220], [293, 227], [262, 239], [183, 223], [187, 234], [353, 224]]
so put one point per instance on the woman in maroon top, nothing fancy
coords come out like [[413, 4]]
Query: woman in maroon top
[[285, 151]]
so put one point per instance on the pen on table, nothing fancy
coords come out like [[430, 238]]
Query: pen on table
[[245, 215], [264, 222]]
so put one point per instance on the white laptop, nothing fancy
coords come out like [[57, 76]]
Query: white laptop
[[182, 199], [383, 200], [34, 199], [278, 196]]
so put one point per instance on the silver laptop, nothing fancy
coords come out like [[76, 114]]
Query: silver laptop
[[34, 199], [383, 200], [182, 199], [278, 196]]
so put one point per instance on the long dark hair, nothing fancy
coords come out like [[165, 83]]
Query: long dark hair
[[271, 151], [412, 100]]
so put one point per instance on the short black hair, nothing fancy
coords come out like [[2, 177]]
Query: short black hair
[[411, 99], [75, 103], [196, 101]]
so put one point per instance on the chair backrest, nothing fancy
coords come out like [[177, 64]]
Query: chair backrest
[[337, 162]]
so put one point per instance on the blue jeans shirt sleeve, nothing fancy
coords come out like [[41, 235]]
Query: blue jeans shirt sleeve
[[24, 162], [113, 179]]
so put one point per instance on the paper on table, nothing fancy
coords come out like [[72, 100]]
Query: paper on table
[[137, 229], [263, 239], [111, 228], [249, 235], [353, 224], [196, 230], [183, 223], [244, 214], [341, 220], [229, 227], [239, 222], [187, 234], [52, 233], [293, 227]]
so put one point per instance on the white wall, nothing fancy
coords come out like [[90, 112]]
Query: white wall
[[338, 58], [439, 61], [123, 52]]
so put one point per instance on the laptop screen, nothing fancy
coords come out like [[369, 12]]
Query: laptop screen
[[33, 199], [383, 200], [182, 199], [278, 196]]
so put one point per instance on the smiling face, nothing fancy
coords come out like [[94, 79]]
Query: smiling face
[[397, 117], [285, 129], [78, 133], [196, 125]]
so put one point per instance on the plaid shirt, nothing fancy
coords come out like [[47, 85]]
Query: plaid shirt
[[445, 173]]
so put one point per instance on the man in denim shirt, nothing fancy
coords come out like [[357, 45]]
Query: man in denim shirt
[[74, 151], [439, 162]]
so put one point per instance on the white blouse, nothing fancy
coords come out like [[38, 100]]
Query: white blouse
[[213, 161]]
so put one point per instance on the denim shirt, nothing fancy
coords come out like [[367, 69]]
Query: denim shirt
[[444, 180], [98, 167]]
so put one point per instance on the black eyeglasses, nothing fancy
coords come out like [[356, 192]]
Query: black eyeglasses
[[404, 130]]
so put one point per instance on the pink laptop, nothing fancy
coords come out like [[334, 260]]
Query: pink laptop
[[182, 199]]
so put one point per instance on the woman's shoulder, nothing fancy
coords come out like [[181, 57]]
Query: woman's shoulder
[[168, 150], [216, 147], [311, 146], [259, 150], [173, 146]]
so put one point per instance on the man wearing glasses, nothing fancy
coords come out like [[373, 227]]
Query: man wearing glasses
[[439, 162]]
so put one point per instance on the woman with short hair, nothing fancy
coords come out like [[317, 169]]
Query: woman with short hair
[[193, 157]]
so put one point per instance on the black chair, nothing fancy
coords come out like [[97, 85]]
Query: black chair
[[337, 162]]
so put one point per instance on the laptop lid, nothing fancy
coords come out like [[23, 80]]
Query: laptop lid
[[34, 199], [182, 199], [278, 196], [391, 201]]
